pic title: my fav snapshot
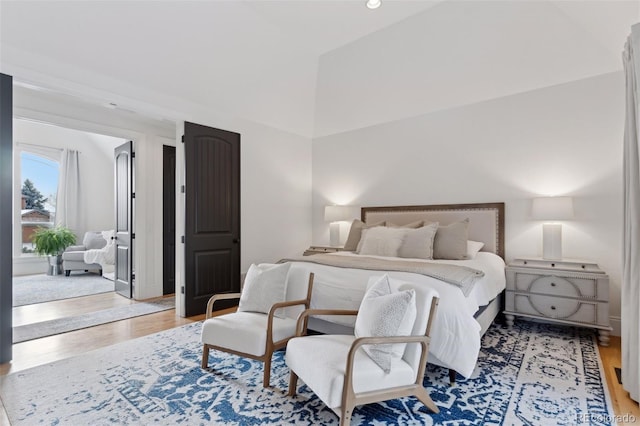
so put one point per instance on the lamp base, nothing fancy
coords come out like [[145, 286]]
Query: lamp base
[[552, 241], [334, 234]]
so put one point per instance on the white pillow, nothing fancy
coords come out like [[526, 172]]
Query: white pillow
[[473, 247], [381, 241], [384, 312], [264, 285], [418, 243]]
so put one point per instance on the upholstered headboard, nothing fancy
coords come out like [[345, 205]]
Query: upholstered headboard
[[486, 221]]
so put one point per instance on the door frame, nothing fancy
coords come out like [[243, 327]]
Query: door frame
[[85, 126], [124, 278], [168, 194], [6, 218]]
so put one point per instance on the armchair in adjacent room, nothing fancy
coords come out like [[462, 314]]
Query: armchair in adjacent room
[[96, 252]]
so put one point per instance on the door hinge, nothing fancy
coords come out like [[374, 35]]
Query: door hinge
[[182, 239], [133, 235], [133, 155], [182, 138], [133, 195], [182, 289], [182, 189], [133, 277]]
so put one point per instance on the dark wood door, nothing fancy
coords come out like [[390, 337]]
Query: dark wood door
[[212, 215], [168, 219], [124, 276], [6, 217]]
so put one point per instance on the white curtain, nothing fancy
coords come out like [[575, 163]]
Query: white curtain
[[68, 200], [631, 236]]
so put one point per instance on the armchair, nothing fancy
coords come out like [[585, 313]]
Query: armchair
[[343, 375], [95, 251], [254, 335]]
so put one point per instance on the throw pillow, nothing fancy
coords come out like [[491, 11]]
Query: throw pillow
[[355, 234], [384, 312], [93, 240], [381, 241], [473, 247], [418, 243], [264, 285], [413, 225], [451, 241]]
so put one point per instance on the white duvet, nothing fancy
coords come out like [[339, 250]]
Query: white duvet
[[455, 341]]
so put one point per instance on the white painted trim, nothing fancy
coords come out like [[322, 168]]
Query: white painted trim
[[180, 220], [29, 265], [616, 324]]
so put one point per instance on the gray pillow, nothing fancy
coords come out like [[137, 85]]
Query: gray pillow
[[355, 233], [451, 241], [416, 224], [418, 243]]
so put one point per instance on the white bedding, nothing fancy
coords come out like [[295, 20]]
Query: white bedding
[[456, 336]]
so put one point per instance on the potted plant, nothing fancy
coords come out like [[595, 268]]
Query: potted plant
[[52, 242]]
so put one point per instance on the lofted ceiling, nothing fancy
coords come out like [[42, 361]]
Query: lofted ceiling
[[260, 59]]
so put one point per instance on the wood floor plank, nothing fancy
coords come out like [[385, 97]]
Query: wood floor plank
[[623, 406], [28, 314], [48, 349]]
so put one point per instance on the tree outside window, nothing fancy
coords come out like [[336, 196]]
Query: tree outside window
[[39, 175]]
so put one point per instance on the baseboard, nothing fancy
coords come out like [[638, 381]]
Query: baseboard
[[616, 323], [29, 265]]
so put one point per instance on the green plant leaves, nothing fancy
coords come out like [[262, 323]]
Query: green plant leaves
[[52, 241]]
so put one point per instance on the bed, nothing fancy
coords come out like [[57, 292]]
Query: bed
[[461, 319]]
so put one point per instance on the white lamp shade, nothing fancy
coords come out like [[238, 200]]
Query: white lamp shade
[[339, 213], [552, 208]]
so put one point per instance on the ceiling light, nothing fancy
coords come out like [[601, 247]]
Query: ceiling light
[[373, 4]]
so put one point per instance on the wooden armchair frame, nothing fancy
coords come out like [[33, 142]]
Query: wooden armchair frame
[[350, 399], [270, 346]]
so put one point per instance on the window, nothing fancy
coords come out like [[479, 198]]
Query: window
[[39, 185]]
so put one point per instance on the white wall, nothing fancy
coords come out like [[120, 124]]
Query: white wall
[[561, 140], [206, 52], [96, 177], [463, 52]]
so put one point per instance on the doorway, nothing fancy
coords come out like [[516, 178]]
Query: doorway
[[168, 219]]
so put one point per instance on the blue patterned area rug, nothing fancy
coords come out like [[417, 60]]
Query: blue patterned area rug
[[531, 375]]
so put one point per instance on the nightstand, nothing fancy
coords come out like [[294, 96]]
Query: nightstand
[[564, 291], [320, 249]]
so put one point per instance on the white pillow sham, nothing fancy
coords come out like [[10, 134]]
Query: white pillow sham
[[473, 247], [381, 241]]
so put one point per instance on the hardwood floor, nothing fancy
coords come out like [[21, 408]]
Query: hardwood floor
[[624, 407], [48, 349]]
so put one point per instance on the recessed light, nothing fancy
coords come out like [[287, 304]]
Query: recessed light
[[373, 4]]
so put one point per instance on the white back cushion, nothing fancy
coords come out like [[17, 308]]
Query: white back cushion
[[264, 285], [385, 312]]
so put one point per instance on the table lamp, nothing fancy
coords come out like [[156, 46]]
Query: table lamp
[[552, 209]]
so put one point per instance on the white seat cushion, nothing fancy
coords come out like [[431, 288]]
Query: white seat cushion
[[320, 362], [245, 331]]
